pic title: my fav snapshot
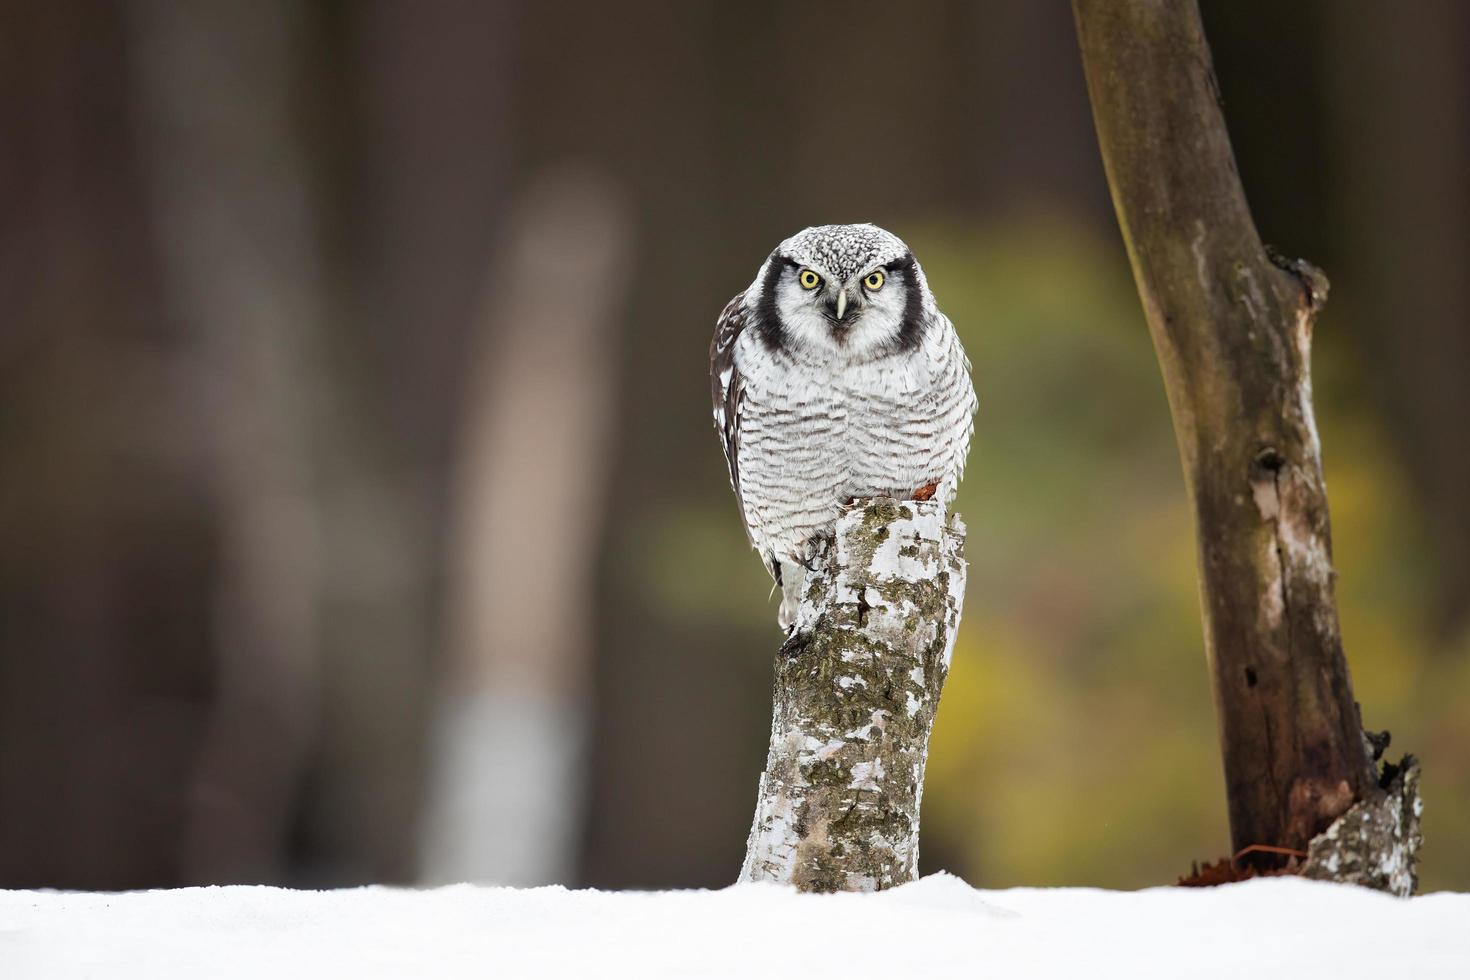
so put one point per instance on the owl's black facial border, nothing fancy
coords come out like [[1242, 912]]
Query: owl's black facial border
[[911, 329], [768, 317]]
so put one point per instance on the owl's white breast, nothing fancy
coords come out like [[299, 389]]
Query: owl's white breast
[[815, 432]]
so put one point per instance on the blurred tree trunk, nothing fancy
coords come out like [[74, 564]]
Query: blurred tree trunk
[[228, 172], [508, 787], [703, 201], [406, 106], [1232, 327], [109, 530]]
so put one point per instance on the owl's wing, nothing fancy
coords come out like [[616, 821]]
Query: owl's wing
[[727, 389]]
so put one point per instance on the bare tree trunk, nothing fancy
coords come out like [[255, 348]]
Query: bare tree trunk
[[855, 697], [1232, 326]]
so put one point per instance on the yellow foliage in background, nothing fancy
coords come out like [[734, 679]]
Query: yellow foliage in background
[[1075, 743]]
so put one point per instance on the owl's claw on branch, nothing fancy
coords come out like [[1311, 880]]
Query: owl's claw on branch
[[926, 492]]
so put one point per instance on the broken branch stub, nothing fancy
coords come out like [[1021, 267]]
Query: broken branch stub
[[856, 690], [1376, 843]]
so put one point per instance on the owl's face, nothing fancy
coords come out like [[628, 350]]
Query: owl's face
[[846, 291]]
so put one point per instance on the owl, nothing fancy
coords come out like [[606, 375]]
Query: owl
[[835, 378]]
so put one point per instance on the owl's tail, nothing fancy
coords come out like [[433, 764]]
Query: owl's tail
[[791, 578]]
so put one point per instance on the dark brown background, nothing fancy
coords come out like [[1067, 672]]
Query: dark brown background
[[296, 296]]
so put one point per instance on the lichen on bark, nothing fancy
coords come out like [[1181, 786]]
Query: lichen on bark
[[856, 690], [1376, 842]]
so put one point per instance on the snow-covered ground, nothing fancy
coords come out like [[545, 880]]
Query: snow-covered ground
[[938, 927]]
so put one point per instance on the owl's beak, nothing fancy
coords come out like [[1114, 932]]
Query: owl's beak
[[837, 310]]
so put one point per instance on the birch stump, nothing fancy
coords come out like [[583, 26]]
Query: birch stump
[[1232, 325], [856, 689]]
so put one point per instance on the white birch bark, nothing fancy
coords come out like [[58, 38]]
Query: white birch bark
[[1376, 843], [855, 695]]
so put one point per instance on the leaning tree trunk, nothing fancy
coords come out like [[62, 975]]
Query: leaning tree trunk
[[1232, 325], [855, 695]]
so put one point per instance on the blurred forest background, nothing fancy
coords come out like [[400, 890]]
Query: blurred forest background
[[360, 514]]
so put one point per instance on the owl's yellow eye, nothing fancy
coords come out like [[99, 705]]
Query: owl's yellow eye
[[809, 279], [873, 280]]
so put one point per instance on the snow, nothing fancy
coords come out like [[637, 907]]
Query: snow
[[937, 927]]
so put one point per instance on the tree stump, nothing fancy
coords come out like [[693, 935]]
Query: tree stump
[[856, 689]]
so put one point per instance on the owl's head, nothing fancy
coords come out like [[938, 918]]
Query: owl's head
[[847, 291]]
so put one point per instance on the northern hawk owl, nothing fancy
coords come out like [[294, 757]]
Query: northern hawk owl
[[835, 378]]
